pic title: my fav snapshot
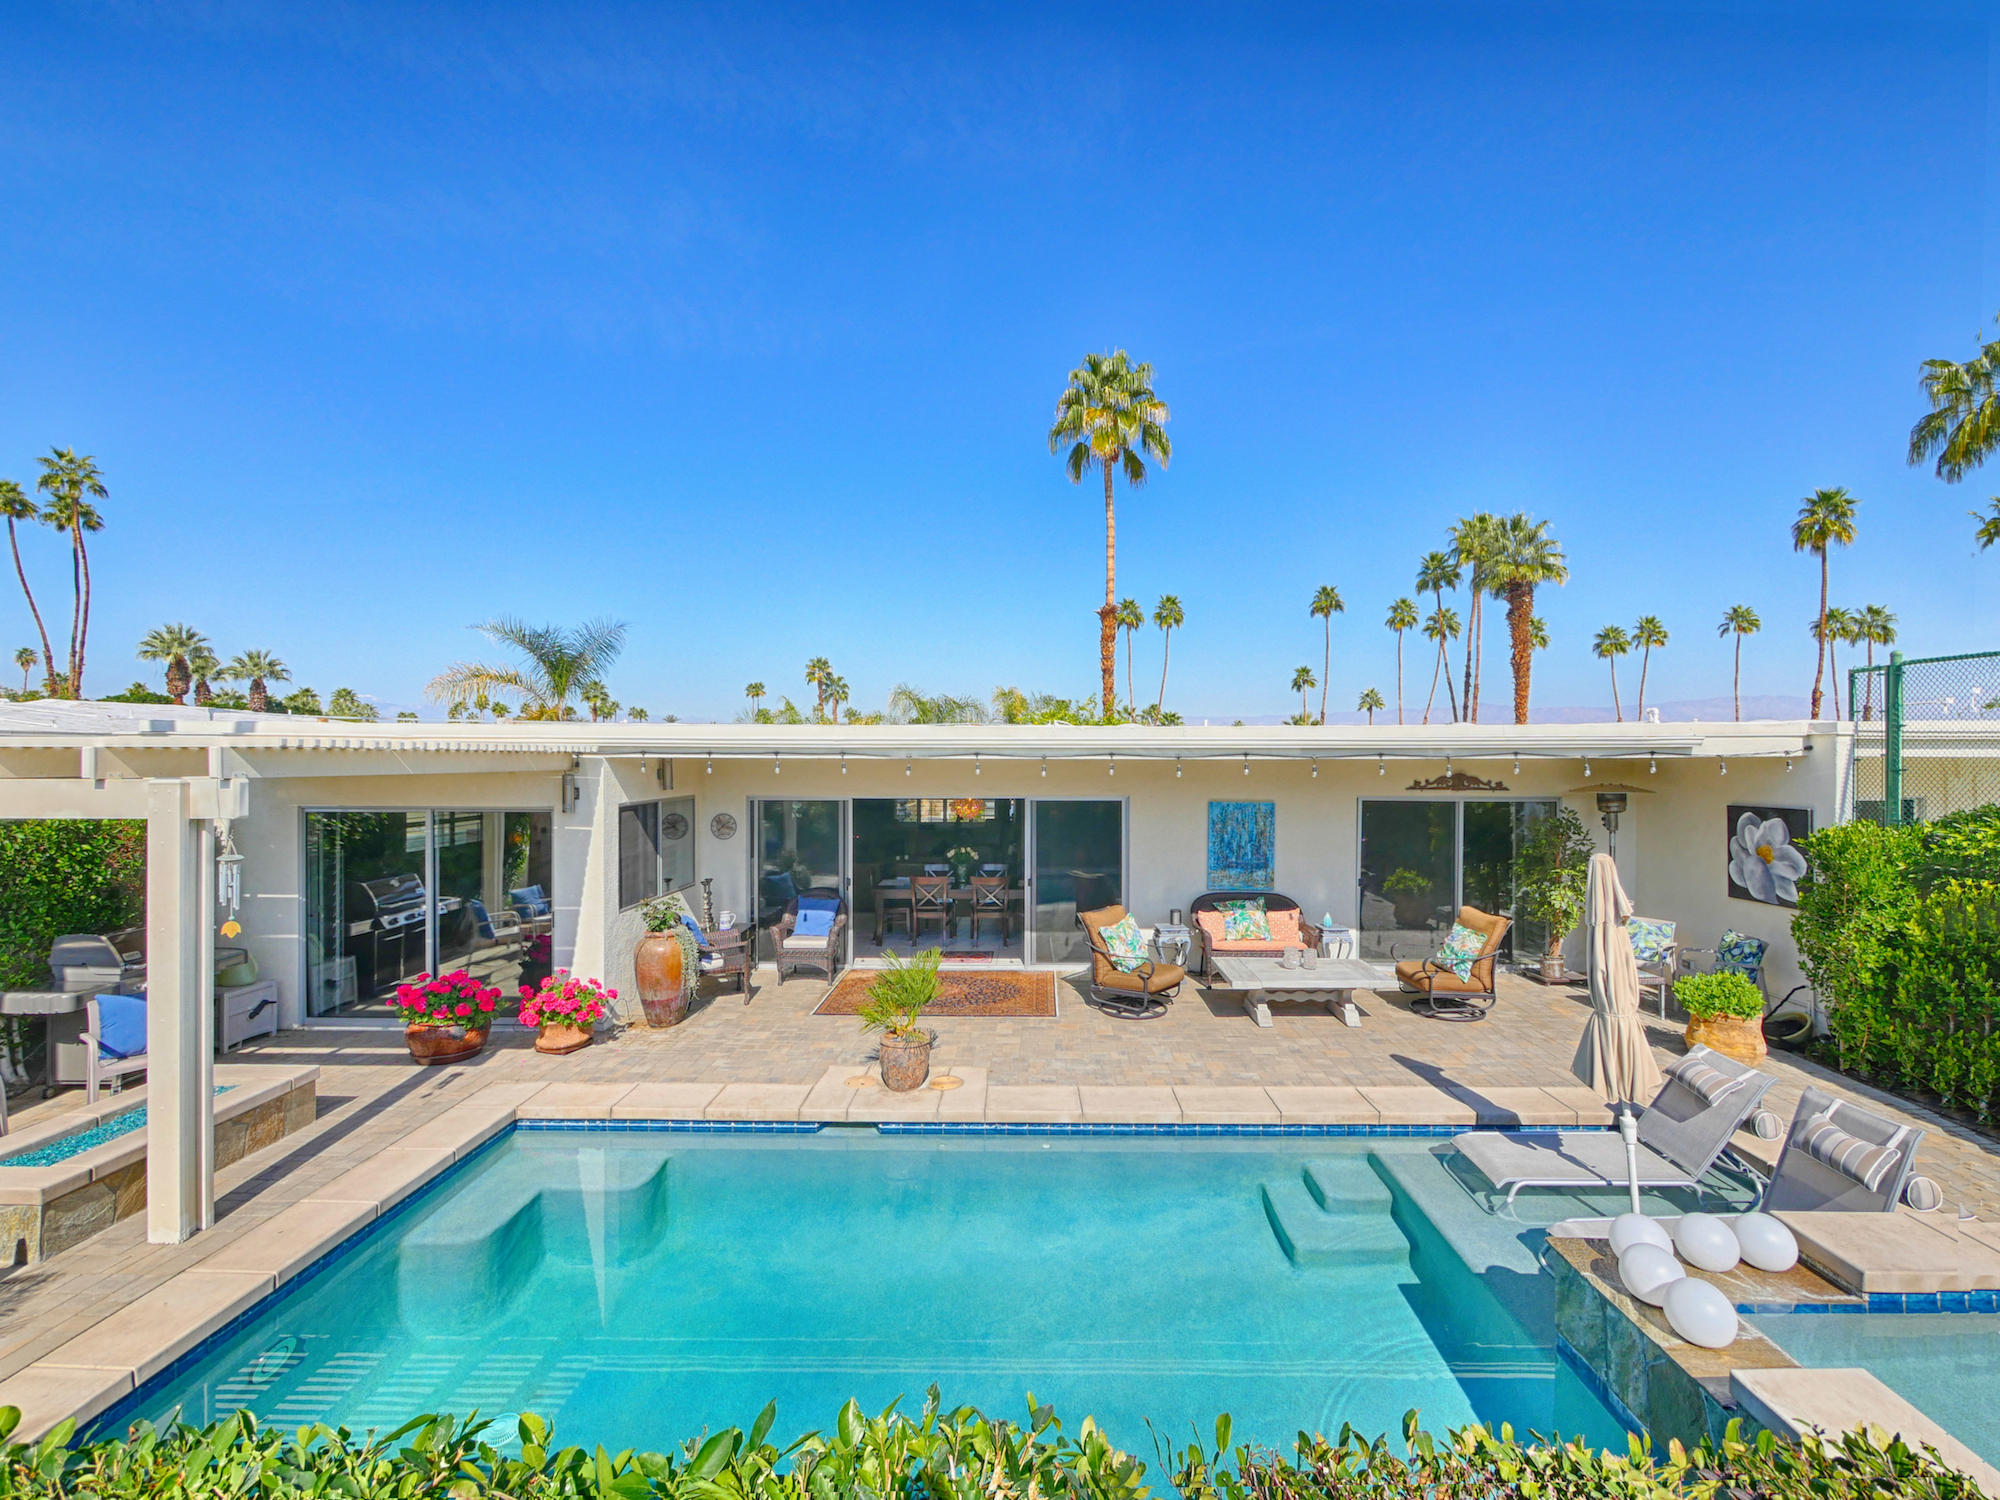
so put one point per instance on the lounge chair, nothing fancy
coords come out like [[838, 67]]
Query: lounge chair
[[496, 929], [531, 904], [810, 933], [1289, 928], [1140, 993], [114, 1040], [1840, 1157], [1441, 992], [1681, 1133]]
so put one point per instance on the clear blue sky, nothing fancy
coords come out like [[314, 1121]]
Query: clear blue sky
[[746, 325]]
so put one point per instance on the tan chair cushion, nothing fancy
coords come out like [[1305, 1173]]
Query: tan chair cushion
[[1163, 977], [1422, 974]]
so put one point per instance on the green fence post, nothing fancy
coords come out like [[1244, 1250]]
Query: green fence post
[[1892, 741]]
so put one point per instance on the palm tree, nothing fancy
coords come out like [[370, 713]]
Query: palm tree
[[1402, 617], [908, 706], [836, 694], [1168, 616], [754, 691], [1989, 524], [556, 664], [25, 660], [1538, 633], [1830, 630], [1524, 557], [1370, 701], [16, 506], [596, 697], [1475, 546], [1963, 425], [71, 481], [1130, 618], [1825, 521], [173, 644], [202, 665], [257, 668], [1648, 633], [1878, 628], [1436, 572], [1109, 416], [1326, 604], [1739, 620], [1612, 643], [1302, 680], [1441, 627], [819, 672]]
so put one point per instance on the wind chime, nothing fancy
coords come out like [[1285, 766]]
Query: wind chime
[[228, 878]]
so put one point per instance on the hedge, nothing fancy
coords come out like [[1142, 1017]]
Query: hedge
[[1899, 931], [939, 1455]]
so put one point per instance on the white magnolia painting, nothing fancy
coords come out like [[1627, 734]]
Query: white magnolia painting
[[1765, 863]]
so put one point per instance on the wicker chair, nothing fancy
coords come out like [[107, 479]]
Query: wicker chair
[[1206, 942], [1442, 993], [1140, 993], [821, 955]]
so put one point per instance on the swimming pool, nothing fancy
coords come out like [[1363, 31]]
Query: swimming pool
[[637, 1287]]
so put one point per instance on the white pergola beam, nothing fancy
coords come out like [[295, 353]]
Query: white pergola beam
[[180, 1020]]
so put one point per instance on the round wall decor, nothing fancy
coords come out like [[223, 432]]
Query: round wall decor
[[674, 826], [723, 825]]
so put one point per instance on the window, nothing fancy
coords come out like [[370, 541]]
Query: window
[[655, 849]]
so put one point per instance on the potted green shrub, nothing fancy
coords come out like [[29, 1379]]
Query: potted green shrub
[[1554, 873], [1725, 1012], [895, 1002], [1410, 891]]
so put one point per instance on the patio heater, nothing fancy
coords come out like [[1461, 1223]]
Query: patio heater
[[1610, 805]]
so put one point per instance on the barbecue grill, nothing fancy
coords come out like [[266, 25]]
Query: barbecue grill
[[385, 928]]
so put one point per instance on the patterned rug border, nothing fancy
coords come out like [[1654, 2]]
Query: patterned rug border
[[1035, 995]]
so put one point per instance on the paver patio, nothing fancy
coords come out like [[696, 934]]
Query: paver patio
[[773, 1059]]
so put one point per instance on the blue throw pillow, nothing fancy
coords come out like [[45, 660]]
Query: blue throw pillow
[[814, 922], [121, 1025]]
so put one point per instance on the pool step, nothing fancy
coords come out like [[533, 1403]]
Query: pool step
[[1310, 1236], [1347, 1185]]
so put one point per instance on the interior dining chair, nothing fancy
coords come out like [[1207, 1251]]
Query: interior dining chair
[[990, 903], [930, 901]]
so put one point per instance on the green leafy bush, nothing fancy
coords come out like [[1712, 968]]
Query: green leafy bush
[[1705, 996], [939, 1455], [1555, 874]]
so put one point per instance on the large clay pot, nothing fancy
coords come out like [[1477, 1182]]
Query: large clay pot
[[558, 1039], [664, 986], [1738, 1037], [431, 1045], [906, 1061], [1554, 970]]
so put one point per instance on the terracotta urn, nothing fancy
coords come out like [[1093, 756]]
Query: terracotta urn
[[431, 1045], [906, 1061], [557, 1039], [1737, 1037], [664, 985]]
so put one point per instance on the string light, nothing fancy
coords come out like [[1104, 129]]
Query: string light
[[1517, 765], [1652, 766], [774, 763], [1447, 765], [1725, 767], [906, 766], [843, 762], [1112, 769], [1045, 765], [1177, 768], [1315, 768], [1586, 770], [1381, 768], [975, 765], [711, 765], [1246, 762], [1788, 765]]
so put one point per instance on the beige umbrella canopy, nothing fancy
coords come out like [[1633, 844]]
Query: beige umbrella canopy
[[1613, 1056]]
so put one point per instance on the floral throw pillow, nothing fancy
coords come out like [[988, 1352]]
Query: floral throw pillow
[[1122, 941], [1245, 922], [1737, 954], [1651, 938], [1461, 949]]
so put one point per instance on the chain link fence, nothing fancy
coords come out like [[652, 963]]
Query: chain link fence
[[1927, 736]]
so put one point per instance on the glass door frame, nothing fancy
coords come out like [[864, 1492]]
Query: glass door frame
[[1458, 801], [1028, 865], [754, 857]]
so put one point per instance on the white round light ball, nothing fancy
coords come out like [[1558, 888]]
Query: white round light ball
[[1628, 1230], [1647, 1271], [1767, 1243], [1699, 1313], [1706, 1241]]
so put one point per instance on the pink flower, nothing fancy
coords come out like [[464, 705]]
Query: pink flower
[[486, 1002], [462, 1008], [611, 994]]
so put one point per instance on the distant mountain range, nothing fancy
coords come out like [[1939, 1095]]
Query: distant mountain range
[[1673, 711]]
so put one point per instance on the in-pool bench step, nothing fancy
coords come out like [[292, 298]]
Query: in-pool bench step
[[1310, 1236], [1347, 1185]]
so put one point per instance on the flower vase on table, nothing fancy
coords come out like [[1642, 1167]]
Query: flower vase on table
[[445, 1018], [565, 1011]]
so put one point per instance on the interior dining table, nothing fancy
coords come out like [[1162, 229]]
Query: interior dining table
[[895, 891]]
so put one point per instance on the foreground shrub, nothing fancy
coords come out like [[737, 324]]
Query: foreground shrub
[[939, 1455]]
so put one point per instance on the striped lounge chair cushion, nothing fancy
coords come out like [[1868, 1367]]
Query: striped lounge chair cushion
[[1705, 1078], [1863, 1161]]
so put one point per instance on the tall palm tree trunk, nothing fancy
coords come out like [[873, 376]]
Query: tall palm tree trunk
[[260, 697], [1736, 682], [1833, 675], [1399, 678], [48, 653], [75, 619], [1868, 699], [1616, 707], [1520, 649], [1471, 636], [83, 614], [1436, 667], [1166, 651], [1645, 662], [1326, 670], [1445, 658], [1819, 667], [1131, 693], [1107, 617]]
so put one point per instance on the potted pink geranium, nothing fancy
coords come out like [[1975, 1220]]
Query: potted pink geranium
[[446, 1017], [564, 1011]]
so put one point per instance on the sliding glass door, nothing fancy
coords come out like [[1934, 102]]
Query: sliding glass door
[[1076, 863], [798, 846], [1422, 860]]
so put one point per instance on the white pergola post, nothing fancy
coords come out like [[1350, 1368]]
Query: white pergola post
[[180, 1015]]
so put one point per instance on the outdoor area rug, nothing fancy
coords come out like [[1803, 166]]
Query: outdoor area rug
[[997, 994]]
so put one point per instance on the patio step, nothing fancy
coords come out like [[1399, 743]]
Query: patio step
[[1347, 1185], [1310, 1236]]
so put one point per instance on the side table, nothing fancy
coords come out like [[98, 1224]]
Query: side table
[[1336, 942], [1169, 936], [726, 955]]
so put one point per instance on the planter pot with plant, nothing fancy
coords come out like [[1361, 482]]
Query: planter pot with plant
[[446, 1018], [895, 1002], [1725, 1013], [1553, 879], [1410, 892], [565, 1011], [667, 961]]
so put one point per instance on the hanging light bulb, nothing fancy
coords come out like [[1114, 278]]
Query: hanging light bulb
[[1177, 768], [906, 766], [1315, 768], [1517, 765], [1246, 762], [1381, 766], [711, 765], [975, 765], [1112, 769], [843, 762], [1652, 766], [1788, 765], [1586, 770], [642, 765], [774, 763], [1447, 765], [1045, 765], [1725, 767]]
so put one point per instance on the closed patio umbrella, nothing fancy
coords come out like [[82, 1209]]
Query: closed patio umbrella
[[1613, 1056]]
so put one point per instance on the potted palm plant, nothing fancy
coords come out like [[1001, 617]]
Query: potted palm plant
[[1554, 874], [1725, 1012], [895, 1001]]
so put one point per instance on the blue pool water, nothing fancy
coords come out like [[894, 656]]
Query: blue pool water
[[1947, 1365], [63, 1147], [639, 1287]]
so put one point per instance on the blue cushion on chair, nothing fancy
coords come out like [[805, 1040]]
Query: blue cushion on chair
[[121, 1025], [814, 921]]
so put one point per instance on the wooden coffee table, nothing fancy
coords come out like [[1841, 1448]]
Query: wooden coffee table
[[1333, 980]]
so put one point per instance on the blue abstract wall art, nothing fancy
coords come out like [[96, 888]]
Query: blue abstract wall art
[[1242, 846]]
